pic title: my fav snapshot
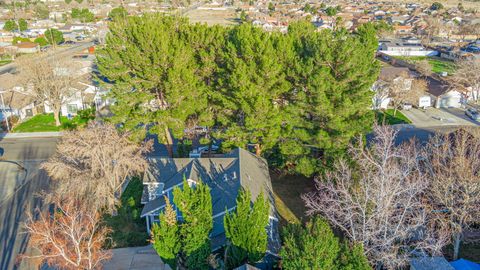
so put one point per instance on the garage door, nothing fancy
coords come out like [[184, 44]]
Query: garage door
[[450, 101]]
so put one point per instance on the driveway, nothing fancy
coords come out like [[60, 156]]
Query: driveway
[[136, 258], [433, 117]]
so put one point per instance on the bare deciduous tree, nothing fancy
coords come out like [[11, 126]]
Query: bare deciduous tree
[[467, 78], [96, 162], [379, 202], [49, 81], [454, 164], [424, 67], [70, 238], [400, 90], [434, 26]]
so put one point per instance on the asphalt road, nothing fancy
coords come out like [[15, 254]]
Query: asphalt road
[[18, 191], [70, 51]]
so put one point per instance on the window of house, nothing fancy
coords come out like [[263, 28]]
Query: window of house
[[191, 183], [72, 108], [28, 112]]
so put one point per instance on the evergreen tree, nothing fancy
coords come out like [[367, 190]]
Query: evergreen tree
[[330, 106], [41, 41], [315, 247], [10, 26], [22, 24], [195, 204], [251, 88], [246, 230], [84, 15], [118, 13], [155, 73], [165, 235], [352, 258], [54, 36], [298, 98]]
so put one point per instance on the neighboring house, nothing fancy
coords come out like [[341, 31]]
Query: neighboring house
[[444, 96], [226, 176], [20, 103], [404, 48], [85, 95], [27, 47], [17, 104], [389, 75], [402, 29]]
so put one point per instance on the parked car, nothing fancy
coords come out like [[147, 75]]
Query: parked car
[[472, 114]]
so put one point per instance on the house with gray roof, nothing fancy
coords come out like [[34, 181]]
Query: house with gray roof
[[226, 176]]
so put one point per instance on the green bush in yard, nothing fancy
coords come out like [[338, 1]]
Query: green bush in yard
[[128, 228], [314, 246]]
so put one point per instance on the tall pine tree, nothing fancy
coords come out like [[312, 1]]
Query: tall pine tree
[[331, 99], [250, 89], [246, 230], [154, 74], [298, 98]]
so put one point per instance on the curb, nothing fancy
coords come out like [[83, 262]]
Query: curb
[[30, 135]]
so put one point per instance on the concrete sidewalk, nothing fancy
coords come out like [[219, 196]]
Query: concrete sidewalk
[[136, 258], [11, 135]]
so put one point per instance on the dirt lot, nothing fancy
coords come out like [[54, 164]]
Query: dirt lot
[[288, 189], [211, 17]]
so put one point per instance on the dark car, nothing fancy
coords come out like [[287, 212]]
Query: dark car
[[472, 114]]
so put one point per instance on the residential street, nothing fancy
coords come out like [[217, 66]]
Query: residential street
[[17, 192], [432, 117], [69, 51]]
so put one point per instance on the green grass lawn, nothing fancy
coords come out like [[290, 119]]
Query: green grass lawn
[[46, 123], [390, 119], [438, 65], [4, 62]]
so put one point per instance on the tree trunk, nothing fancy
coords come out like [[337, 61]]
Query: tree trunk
[[169, 140], [56, 115], [456, 245], [258, 149]]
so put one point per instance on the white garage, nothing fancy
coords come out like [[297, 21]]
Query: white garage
[[450, 99]]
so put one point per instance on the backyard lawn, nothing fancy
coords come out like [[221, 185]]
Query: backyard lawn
[[287, 191], [438, 65], [4, 62], [388, 118], [46, 123]]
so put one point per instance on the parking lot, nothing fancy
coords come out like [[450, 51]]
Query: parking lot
[[439, 117]]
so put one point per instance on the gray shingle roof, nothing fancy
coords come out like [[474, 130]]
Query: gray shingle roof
[[226, 176]]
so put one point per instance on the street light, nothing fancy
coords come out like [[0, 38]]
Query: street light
[[4, 111]]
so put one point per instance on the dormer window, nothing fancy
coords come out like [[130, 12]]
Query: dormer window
[[155, 190], [191, 183]]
